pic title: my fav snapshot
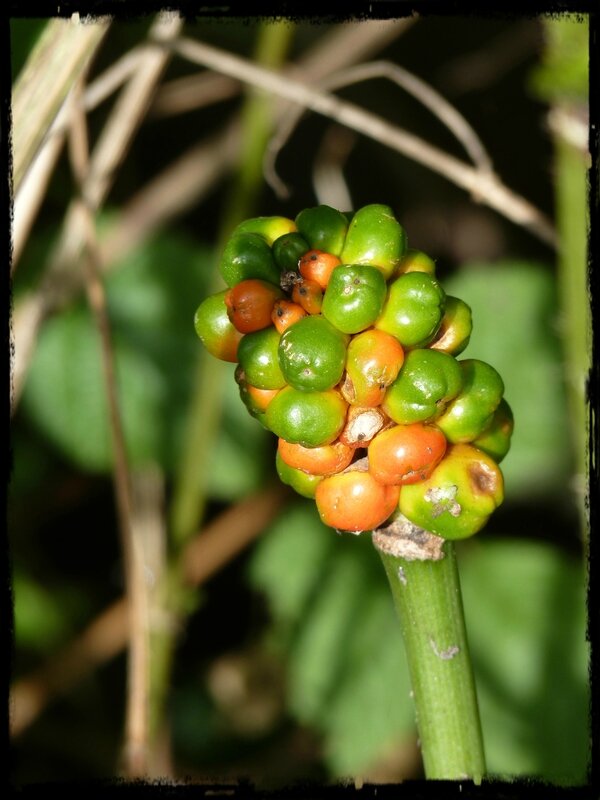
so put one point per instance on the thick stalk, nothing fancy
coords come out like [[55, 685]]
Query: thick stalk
[[426, 591]]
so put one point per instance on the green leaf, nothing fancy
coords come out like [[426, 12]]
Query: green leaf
[[525, 612], [43, 617], [514, 308], [151, 298], [347, 674], [372, 709]]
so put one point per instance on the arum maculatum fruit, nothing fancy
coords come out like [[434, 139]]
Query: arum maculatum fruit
[[347, 349]]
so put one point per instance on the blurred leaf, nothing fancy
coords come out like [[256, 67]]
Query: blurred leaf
[[330, 601], [296, 546], [152, 298], [24, 33], [525, 611], [514, 307], [564, 69], [40, 622]]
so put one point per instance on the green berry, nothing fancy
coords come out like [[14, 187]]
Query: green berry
[[270, 228], [415, 261], [495, 439], [247, 255], [455, 330], [413, 310], [312, 354], [457, 499], [214, 328], [311, 419], [375, 237], [324, 228], [288, 250], [471, 411], [257, 354], [426, 383], [354, 297]]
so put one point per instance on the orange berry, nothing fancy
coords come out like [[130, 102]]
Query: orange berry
[[325, 460], [250, 303], [309, 295], [406, 453], [285, 313], [355, 501], [316, 265], [373, 362]]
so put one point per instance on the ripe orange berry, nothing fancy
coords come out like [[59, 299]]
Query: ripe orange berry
[[260, 398], [285, 313], [355, 501], [309, 295], [325, 460], [316, 265], [406, 453], [373, 362], [250, 303]]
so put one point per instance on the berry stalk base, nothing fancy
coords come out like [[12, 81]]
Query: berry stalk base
[[423, 576]]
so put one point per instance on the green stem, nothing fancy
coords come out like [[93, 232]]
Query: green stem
[[428, 600], [273, 41], [571, 215]]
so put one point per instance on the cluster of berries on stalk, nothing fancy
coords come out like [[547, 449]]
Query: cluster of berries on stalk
[[346, 346]]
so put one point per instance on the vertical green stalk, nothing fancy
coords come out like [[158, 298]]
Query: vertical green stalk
[[427, 597], [562, 79], [187, 509]]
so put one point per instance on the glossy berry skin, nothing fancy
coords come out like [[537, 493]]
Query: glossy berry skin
[[301, 482], [457, 499], [247, 255], [415, 261], [471, 411], [309, 295], [426, 383], [270, 228], [375, 237], [354, 501], [324, 228], [455, 330], [495, 439], [373, 361], [214, 328], [354, 297], [255, 400], [316, 265], [325, 460], [413, 310], [312, 354], [311, 419], [250, 304], [406, 454], [286, 313], [257, 355], [288, 250]]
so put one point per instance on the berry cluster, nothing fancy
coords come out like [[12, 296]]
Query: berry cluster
[[346, 348]]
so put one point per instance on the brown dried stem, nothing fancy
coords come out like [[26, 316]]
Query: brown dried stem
[[484, 186], [136, 726]]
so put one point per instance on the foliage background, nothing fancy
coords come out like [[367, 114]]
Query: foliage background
[[288, 663]]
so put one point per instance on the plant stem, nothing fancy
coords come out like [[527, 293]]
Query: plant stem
[[427, 597]]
